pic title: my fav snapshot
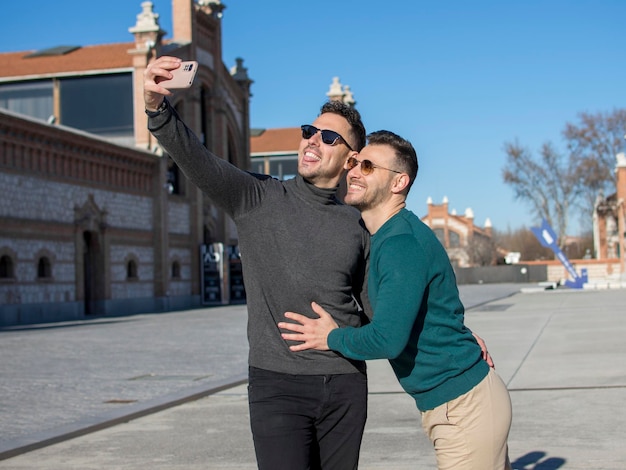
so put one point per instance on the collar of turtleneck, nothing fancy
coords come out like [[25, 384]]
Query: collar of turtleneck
[[310, 191]]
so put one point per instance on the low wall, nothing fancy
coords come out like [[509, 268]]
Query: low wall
[[597, 270], [516, 273], [539, 271], [49, 312]]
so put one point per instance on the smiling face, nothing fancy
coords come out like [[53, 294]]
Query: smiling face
[[366, 192], [323, 164]]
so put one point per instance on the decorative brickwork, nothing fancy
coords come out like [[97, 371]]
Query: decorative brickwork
[[72, 158], [69, 195], [609, 226], [91, 227], [458, 234]]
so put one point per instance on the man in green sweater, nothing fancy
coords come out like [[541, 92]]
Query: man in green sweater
[[418, 321]]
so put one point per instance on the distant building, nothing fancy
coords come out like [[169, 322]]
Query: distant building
[[609, 228], [94, 218], [275, 151], [512, 257], [339, 92], [467, 244]]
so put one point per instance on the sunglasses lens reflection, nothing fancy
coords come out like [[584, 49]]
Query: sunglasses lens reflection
[[366, 166], [329, 137]]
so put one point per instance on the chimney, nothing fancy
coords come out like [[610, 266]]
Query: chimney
[[147, 32], [620, 171], [335, 92], [148, 35], [182, 20], [488, 227]]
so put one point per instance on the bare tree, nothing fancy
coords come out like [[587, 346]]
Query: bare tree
[[548, 183], [523, 241], [593, 144], [481, 251]]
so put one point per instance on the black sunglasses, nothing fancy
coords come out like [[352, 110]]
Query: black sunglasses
[[367, 167], [328, 137]]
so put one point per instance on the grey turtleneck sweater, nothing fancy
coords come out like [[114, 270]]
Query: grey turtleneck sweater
[[298, 244]]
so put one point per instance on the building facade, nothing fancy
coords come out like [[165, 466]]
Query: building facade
[[466, 244], [609, 226], [275, 151], [95, 219]]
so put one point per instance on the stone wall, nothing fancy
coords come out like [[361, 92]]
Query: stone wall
[[58, 186]]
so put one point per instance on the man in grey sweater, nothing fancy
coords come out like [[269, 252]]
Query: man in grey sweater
[[298, 244]]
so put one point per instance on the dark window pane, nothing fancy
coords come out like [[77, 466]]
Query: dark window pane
[[33, 98], [101, 104], [44, 269], [131, 270], [455, 240], [439, 233], [283, 169], [6, 267]]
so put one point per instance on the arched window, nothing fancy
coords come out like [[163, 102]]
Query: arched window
[[6, 267], [44, 268], [131, 270], [439, 233], [174, 181], [175, 270], [455, 239]]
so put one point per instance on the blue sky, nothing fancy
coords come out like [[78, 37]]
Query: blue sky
[[458, 78]]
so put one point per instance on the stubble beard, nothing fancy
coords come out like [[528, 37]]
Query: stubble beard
[[357, 202]]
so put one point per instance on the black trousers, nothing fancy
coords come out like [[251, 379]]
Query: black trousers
[[307, 422]]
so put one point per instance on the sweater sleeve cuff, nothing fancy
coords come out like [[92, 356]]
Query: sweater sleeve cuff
[[161, 109], [159, 118], [333, 340]]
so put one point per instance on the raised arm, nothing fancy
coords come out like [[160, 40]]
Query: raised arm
[[156, 72], [231, 188]]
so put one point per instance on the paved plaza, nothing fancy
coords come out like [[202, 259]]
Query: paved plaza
[[168, 391]]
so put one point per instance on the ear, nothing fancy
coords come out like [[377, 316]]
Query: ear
[[400, 183], [352, 153]]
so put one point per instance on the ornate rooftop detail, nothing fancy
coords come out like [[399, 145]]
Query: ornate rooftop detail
[[147, 20]]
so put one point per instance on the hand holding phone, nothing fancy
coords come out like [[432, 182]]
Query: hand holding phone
[[183, 76]]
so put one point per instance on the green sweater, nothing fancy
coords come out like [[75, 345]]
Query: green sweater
[[418, 316]]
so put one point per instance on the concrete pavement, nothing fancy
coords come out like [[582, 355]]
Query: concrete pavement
[[561, 353]]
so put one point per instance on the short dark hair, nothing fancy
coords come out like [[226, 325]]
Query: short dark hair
[[352, 116], [405, 153]]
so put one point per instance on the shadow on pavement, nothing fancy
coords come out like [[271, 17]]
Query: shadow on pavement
[[534, 461]]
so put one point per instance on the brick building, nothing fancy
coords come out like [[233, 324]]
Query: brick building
[[467, 244], [609, 227], [94, 218], [275, 151]]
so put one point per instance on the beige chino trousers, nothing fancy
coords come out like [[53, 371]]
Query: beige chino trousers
[[471, 431]]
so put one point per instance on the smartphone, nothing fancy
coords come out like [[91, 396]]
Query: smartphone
[[183, 76]]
